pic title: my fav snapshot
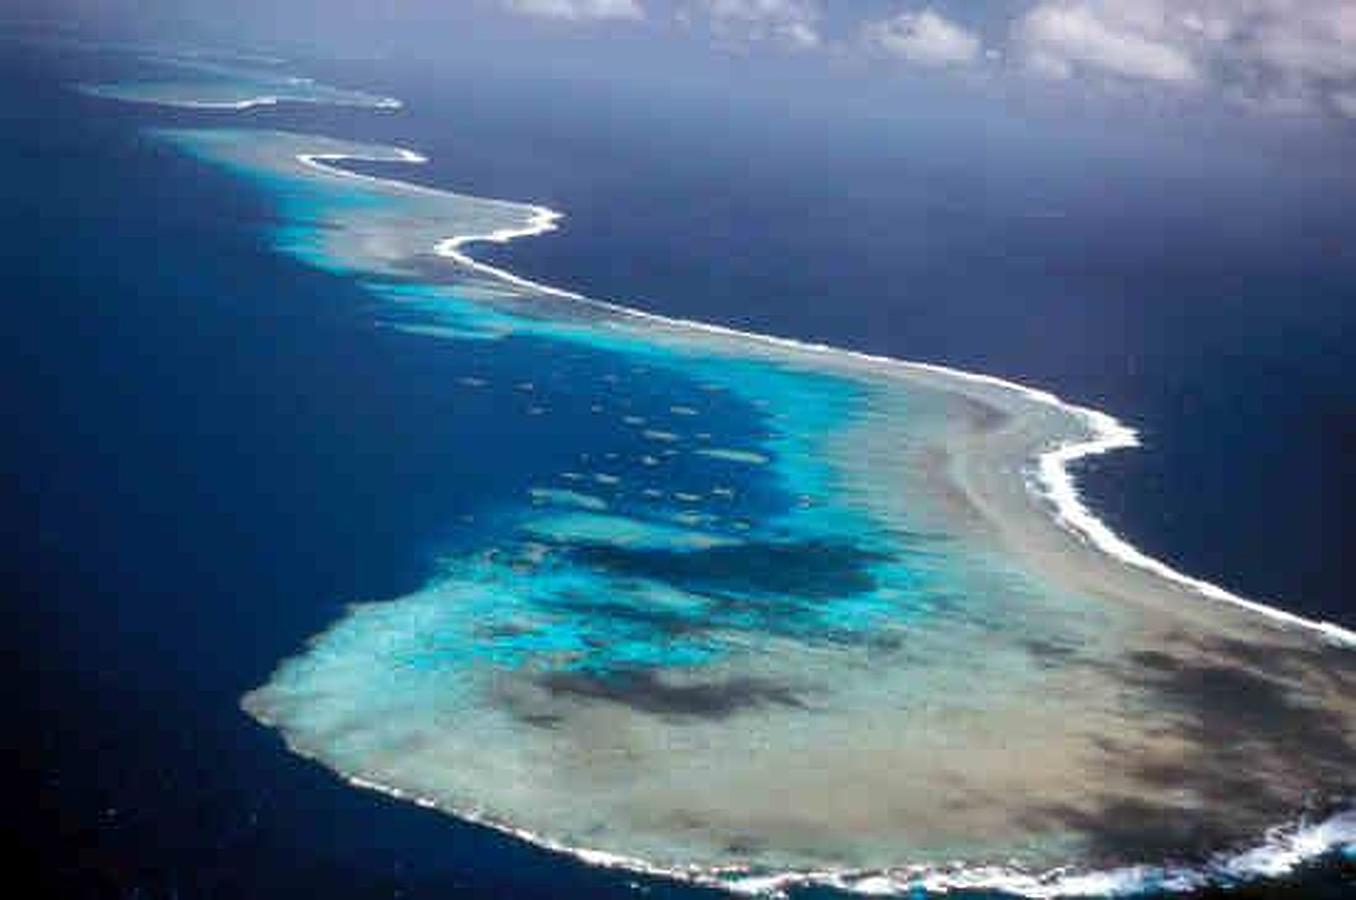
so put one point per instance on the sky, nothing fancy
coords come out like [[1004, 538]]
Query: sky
[[1277, 58], [1200, 140], [1287, 55]]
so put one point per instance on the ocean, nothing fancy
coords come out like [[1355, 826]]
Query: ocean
[[215, 451]]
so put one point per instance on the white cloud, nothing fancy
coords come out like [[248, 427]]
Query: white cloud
[[577, 10], [1272, 55], [1313, 38], [795, 22], [925, 38], [1279, 55], [1059, 38]]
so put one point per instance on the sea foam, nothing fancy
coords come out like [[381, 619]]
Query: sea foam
[[799, 461]]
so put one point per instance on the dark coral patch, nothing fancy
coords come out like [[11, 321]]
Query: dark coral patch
[[1259, 752], [805, 569], [645, 691]]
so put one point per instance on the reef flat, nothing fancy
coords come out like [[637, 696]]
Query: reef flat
[[795, 610], [190, 82]]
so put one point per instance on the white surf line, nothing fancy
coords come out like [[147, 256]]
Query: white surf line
[[235, 105], [375, 103], [1056, 481], [279, 99], [318, 160], [243, 104], [1282, 850], [110, 92], [228, 105]]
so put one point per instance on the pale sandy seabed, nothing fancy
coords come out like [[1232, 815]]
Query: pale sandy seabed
[[1043, 700]]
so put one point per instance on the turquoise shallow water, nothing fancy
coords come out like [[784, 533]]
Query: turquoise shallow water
[[749, 629], [691, 458], [649, 572], [705, 559], [710, 480]]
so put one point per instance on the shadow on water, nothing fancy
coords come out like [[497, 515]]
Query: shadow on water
[[1242, 724], [647, 691], [809, 570]]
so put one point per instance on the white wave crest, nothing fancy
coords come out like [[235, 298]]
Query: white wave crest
[[1053, 478], [1284, 848]]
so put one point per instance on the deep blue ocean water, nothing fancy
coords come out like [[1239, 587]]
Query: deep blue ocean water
[[212, 449], [1200, 288]]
